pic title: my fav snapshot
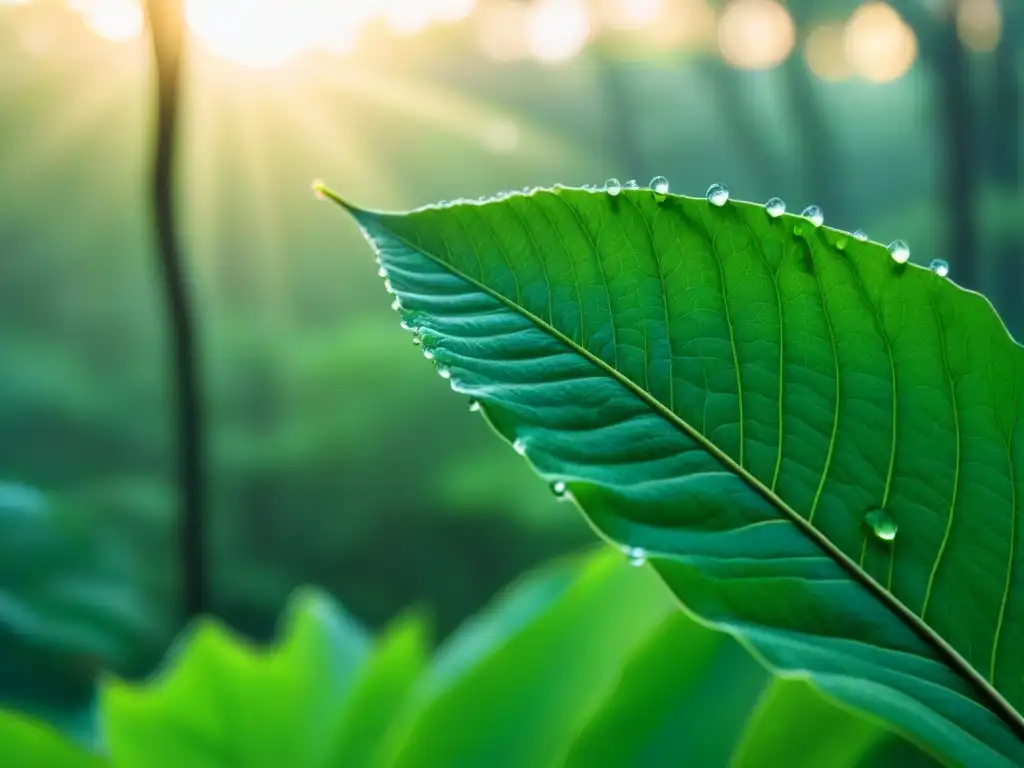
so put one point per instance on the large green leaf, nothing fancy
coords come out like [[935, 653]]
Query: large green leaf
[[223, 703], [736, 395]]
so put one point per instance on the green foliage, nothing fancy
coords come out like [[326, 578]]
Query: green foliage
[[536, 680], [224, 703], [26, 744], [736, 396]]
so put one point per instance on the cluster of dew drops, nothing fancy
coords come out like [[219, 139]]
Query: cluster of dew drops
[[718, 195], [879, 521]]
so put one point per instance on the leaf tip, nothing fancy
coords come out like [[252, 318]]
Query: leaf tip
[[322, 192]]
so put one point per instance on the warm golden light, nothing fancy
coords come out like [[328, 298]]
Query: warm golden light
[[256, 33], [979, 24], [629, 14], [501, 27], [683, 24], [879, 45], [558, 29], [755, 34], [266, 33], [119, 21], [826, 54]]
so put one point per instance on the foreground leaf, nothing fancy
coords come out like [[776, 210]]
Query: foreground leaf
[[223, 703], [745, 398], [517, 703], [379, 693], [26, 743]]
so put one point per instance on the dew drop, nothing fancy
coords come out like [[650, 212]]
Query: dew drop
[[718, 194], [637, 556], [900, 251], [861, 235], [881, 524], [558, 488], [519, 446], [320, 189], [940, 267], [814, 214], [382, 272], [443, 372], [405, 326], [416, 339], [428, 354], [612, 187], [396, 304], [387, 286], [631, 184], [659, 185], [474, 406], [775, 207]]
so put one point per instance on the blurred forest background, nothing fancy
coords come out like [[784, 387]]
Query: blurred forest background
[[337, 456]]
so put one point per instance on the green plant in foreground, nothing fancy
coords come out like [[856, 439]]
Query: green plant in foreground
[[814, 443], [584, 663]]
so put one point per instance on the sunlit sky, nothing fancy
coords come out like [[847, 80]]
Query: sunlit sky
[[873, 43]]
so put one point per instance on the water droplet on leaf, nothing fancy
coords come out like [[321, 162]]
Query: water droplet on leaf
[[428, 354], [814, 214], [396, 304], [558, 488], [444, 373], [718, 194], [387, 286], [382, 272], [519, 446], [861, 235], [320, 189], [940, 267], [612, 187], [474, 406], [881, 524], [775, 207], [631, 184], [637, 556], [659, 185], [900, 251]]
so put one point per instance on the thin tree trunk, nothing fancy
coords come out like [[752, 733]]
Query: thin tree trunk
[[166, 19]]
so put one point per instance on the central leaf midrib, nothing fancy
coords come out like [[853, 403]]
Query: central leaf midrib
[[1001, 706]]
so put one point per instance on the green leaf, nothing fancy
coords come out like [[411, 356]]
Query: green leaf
[[734, 394], [517, 703], [794, 726], [690, 695], [26, 743], [683, 699], [379, 693], [223, 703]]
